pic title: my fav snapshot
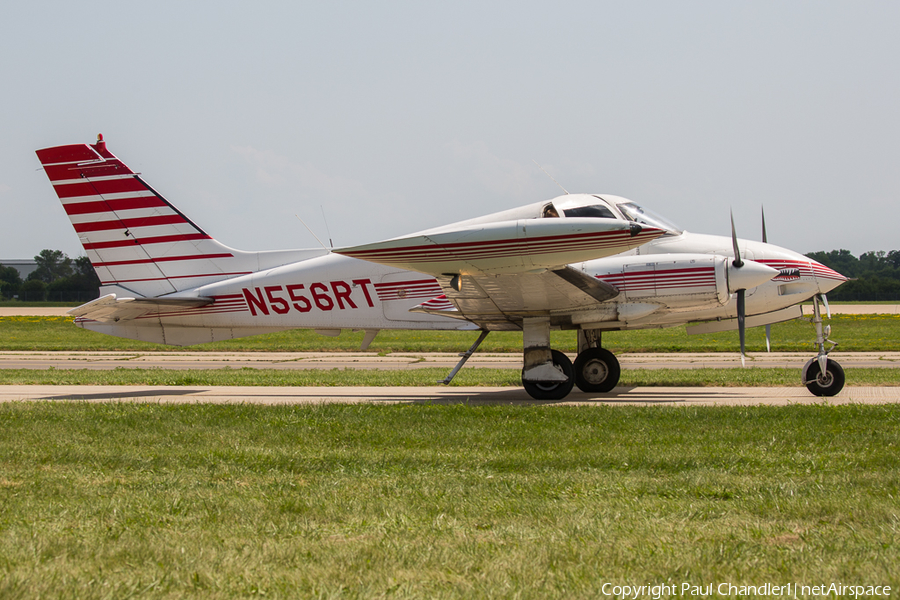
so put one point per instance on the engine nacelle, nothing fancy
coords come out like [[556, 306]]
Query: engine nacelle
[[681, 282], [675, 281]]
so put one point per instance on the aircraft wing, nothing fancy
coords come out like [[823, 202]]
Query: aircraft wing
[[111, 309], [507, 247]]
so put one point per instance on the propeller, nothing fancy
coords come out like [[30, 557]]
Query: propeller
[[738, 262], [744, 275], [765, 240]]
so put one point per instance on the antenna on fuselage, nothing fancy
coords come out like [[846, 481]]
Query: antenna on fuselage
[[322, 208], [311, 231], [550, 176]]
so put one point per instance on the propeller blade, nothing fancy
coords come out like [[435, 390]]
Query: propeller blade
[[765, 238], [741, 321], [768, 338], [738, 262]]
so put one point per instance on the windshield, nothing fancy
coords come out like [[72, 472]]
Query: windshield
[[634, 212], [597, 211]]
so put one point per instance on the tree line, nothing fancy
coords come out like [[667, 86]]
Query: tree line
[[57, 278], [873, 276]]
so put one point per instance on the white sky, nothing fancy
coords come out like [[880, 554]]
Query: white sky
[[394, 117]]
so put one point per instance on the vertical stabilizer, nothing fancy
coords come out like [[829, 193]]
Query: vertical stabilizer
[[135, 239]]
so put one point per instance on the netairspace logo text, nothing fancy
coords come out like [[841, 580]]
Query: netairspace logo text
[[787, 590]]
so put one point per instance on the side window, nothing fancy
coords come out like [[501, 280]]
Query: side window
[[549, 212], [596, 211]]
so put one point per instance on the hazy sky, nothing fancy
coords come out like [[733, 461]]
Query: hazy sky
[[392, 117]]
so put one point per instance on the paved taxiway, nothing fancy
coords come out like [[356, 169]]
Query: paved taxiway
[[406, 360], [667, 396]]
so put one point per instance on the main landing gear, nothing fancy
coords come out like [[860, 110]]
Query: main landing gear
[[821, 375], [556, 388], [550, 375]]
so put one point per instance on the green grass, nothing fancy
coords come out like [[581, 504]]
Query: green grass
[[752, 377], [420, 501], [856, 333]]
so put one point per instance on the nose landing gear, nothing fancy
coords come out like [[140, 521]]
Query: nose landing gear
[[821, 375]]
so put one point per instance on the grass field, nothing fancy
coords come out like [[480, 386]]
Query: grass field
[[405, 501], [856, 333], [707, 377]]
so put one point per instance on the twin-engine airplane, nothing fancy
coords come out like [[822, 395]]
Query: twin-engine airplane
[[591, 263]]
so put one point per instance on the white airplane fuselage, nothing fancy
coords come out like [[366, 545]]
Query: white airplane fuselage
[[332, 292]]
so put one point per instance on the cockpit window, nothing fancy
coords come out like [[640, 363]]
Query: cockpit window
[[549, 212], [596, 211], [634, 212]]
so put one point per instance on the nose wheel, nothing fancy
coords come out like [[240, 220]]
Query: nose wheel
[[823, 383]]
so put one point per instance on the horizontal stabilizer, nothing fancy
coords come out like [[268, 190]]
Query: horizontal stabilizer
[[109, 308], [508, 246]]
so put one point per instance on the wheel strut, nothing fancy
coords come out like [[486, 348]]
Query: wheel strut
[[465, 356]]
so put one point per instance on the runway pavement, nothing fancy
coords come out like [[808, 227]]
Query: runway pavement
[[621, 396], [406, 360]]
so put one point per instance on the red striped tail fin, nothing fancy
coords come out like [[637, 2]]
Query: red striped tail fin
[[134, 238]]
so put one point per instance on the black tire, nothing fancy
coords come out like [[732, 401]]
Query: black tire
[[596, 370], [553, 390], [828, 384]]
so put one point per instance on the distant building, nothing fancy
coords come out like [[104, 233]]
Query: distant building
[[23, 265]]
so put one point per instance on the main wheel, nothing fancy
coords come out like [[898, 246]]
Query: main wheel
[[596, 370], [553, 390], [824, 384]]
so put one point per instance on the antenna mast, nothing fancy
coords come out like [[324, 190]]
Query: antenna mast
[[311, 231], [550, 176], [322, 208]]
